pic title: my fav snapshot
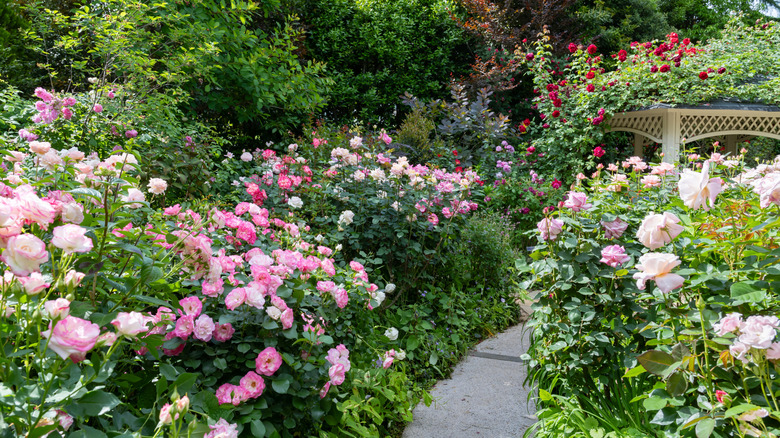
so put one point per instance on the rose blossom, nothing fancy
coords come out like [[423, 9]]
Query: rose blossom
[[223, 332], [157, 186], [698, 188], [614, 229], [658, 267], [73, 278], [614, 255], [246, 157], [204, 328], [649, 181], [72, 337], [24, 254], [739, 351], [253, 384], [133, 197], [72, 212], [773, 352], [268, 361], [57, 309], [223, 429], [550, 228], [130, 324], [34, 284], [392, 333], [71, 238], [577, 201], [657, 230], [40, 147], [756, 334], [232, 394], [728, 324]]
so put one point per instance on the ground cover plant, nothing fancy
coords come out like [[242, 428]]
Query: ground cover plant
[[659, 304]]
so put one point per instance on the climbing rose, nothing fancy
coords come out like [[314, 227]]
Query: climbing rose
[[253, 384], [268, 361], [223, 429]]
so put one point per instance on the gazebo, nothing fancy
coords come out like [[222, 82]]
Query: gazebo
[[733, 122]]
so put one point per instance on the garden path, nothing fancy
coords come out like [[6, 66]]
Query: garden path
[[484, 397]]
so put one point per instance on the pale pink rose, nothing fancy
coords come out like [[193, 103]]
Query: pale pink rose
[[34, 209], [57, 309], [650, 181], [253, 384], [753, 415], [617, 183], [739, 351], [34, 284], [755, 334], [287, 319], [107, 339], [157, 186], [71, 238], [204, 328], [273, 312], [388, 359], [324, 390], [223, 332], [255, 294], [549, 228], [341, 296], [716, 158], [246, 157], [72, 337], [235, 298], [768, 189], [50, 160], [766, 320], [191, 305], [614, 255], [657, 230], [727, 324], [577, 201], [337, 374], [165, 414], [696, 189], [773, 352], [130, 324], [223, 429], [658, 267], [614, 229], [73, 278], [73, 212], [24, 254], [183, 404], [612, 167], [663, 169], [134, 195], [40, 147], [268, 361], [16, 156], [65, 420]]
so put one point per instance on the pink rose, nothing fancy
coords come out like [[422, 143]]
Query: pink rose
[[57, 309], [388, 359], [223, 332], [165, 414], [204, 328], [614, 255], [739, 351], [157, 186], [650, 181], [133, 197], [337, 374], [34, 209], [130, 324], [773, 352], [223, 429], [191, 305], [696, 189], [71, 238], [34, 284], [657, 230], [231, 394], [550, 228], [72, 212], [184, 326], [72, 337], [235, 298], [40, 147], [728, 324], [253, 384], [577, 201], [754, 333], [341, 296], [268, 361], [24, 254], [287, 319], [614, 229], [73, 278], [658, 267]]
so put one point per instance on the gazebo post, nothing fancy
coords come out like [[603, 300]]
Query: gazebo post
[[639, 145], [671, 136], [731, 145]]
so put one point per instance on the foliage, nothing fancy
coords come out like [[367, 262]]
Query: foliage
[[373, 52], [600, 321]]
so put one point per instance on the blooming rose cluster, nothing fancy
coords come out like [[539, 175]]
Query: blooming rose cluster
[[50, 107], [755, 336]]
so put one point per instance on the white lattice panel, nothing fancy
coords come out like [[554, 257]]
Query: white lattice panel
[[697, 126], [651, 126]]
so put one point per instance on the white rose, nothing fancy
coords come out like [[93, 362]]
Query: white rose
[[73, 212], [295, 202], [392, 333], [246, 156], [157, 186], [134, 195], [346, 217], [400, 354], [389, 288]]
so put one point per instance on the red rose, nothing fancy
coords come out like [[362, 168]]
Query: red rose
[[572, 47], [529, 57], [556, 113], [590, 75], [455, 152], [598, 152], [622, 55], [654, 69], [557, 103], [721, 70], [592, 49], [591, 88], [703, 75], [531, 149], [686, 41], [665, 68]]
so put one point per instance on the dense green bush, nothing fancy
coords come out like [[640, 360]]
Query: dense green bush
[[377, 50]]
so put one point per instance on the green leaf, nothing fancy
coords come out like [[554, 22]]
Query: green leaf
[[676, 385], [257, 427], [654, 403], [739, 409], [633, 372], [748, 292], [544, 395], [94, 403], [705, 427], [87, 432], [434, 359], [281, 385], [655, 361]]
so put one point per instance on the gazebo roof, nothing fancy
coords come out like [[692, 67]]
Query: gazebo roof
[[722, 104]]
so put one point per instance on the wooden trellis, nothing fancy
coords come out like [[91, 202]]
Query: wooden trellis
[[673, 126]]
